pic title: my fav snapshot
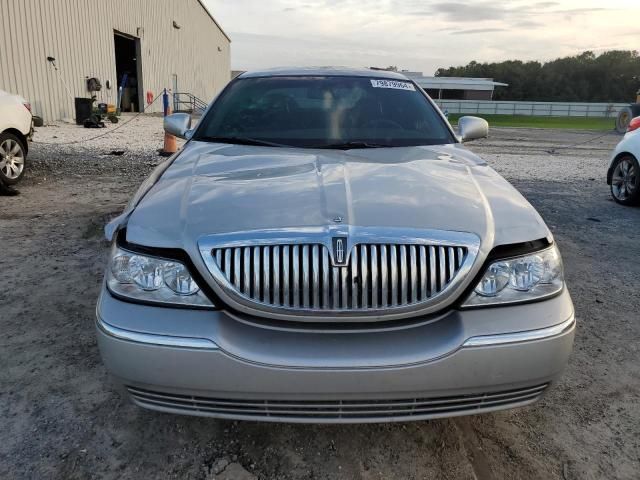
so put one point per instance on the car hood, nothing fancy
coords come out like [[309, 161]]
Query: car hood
[[221, 188]]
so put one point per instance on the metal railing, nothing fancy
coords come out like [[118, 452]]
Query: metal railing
[[188, 103], [540, 109]]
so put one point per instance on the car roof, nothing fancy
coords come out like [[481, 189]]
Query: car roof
[[323, 71]]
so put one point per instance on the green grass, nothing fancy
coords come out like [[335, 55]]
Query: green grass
[[526, 121]]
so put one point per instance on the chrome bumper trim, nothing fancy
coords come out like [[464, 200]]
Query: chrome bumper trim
[[517, 337], [153, 339], [206, 344]]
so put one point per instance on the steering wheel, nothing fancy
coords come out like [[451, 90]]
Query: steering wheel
[[381, 122]]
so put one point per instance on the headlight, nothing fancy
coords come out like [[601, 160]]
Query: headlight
[[519, 279], [153, 279]]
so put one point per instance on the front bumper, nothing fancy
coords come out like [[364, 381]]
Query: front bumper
[[206, 363]]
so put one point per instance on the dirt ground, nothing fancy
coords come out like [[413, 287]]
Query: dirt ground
[[62, 419]]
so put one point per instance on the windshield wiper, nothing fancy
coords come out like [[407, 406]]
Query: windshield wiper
[[241, 141], [352, 144]]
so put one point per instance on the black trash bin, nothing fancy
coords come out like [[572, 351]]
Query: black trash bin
[[83, 109]]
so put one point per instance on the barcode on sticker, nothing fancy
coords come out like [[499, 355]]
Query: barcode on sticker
[[392, 84]]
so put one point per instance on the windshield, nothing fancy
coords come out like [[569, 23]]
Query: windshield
[[324, 112]]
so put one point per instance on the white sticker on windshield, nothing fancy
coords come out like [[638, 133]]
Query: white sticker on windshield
[[393, 84]]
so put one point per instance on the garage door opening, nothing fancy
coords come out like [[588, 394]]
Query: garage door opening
[[128, 72]]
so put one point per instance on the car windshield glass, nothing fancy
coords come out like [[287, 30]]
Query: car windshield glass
[[324, 112]]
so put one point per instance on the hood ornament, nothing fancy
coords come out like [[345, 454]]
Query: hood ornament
[[338, 219]]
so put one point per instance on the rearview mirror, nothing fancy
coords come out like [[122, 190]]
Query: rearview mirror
[[178, 124], [472, 128]]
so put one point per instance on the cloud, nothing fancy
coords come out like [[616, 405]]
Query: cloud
[[632, 33], [468, 12], [461, 11], [528, 24], [582, 10], [419, 35], [478, 30]]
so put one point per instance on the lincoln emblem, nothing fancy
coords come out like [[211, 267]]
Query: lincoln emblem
[[339, 250]]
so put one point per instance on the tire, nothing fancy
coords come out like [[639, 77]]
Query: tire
[[624, 118], [625, 180], [13, 158], [625, 115]]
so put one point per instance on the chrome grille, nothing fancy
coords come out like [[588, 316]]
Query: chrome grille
[[337, 410], [301, 276]]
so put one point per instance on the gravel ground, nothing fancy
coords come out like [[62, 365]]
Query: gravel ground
[[62, 419], [129, 150]]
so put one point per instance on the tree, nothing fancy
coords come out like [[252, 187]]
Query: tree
[[612, 76]]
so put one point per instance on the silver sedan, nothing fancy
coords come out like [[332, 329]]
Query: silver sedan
[[325, 249]]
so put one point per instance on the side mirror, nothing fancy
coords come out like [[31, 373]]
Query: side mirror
[[178, 124], [472, 128]]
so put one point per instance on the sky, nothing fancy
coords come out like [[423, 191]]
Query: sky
[[420, 35]]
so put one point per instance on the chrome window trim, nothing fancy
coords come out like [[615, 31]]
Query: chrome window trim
[[354, 235]]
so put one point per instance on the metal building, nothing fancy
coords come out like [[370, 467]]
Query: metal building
[[456, 88], [157, 44]]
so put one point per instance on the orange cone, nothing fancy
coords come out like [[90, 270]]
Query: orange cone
[[170, 142]]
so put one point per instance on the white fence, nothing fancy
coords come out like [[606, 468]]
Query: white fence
[[540, 109]]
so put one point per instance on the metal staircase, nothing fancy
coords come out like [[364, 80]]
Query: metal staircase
[[188, 103]]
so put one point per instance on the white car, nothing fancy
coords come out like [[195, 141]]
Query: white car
[[15, 132], [624, 172]]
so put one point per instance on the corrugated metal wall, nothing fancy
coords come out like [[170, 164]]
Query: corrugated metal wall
[[79, 34]]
